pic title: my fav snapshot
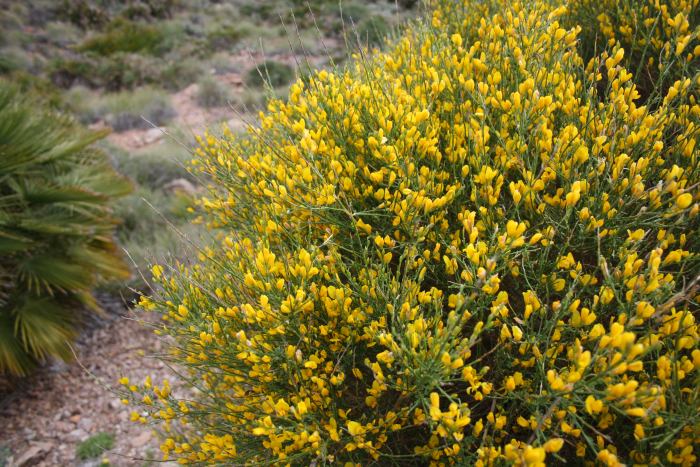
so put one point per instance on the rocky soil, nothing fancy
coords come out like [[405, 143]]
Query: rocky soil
[[44, 417]]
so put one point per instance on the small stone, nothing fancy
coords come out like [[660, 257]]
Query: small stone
[[58, 366], [85, 424], [141, 439], [75, 418], [76, 435], [153, 135], [32, 455], [181, 184], [63, 427]]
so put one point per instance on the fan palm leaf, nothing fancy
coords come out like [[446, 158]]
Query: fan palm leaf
[[56, 227]]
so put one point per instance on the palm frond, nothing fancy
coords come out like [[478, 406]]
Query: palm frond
[[56, 227]]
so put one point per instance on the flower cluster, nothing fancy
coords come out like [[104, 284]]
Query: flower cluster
[[661, 37], [474, 248]]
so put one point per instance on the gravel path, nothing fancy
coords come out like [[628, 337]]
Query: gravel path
[[44, 417]]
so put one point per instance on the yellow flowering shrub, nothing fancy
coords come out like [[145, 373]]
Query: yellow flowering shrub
[[474, 248]]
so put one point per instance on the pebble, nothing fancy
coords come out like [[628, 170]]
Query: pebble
[[77, 435], [33, 454], [141, 439], [152, 135], [85, 424], [63, 427]]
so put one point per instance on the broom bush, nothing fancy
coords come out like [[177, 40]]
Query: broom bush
[[476, 248]]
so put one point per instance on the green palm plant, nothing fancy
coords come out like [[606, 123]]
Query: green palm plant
[[56, 228]]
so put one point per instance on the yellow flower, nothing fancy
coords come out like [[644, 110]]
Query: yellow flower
[[636, 412], [157, 271], [684, 200], [366, 228], [553, 445], [593, 405]]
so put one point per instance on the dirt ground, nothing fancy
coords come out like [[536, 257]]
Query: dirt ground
[[46, 416]]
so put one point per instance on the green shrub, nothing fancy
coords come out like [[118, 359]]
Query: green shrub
[[84, 13], [80, 101], [211, 93], [113, 73], [10, 23], [373, 31], [155, 166], [343, 16], [94, 446], [125, 36], [149, 9], [128, 71], [140, 108], [353, 12], [473, 249], [265, 10], [145, 232], [124, 110], [270, 73], [125, 71], [62, 34], [250, 100], [13, 58], [55, 230], [29, 83], [224, 37], [177, 74], [221, 63], [67, 72], [5, 453], [407, 4], [155, 217]]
